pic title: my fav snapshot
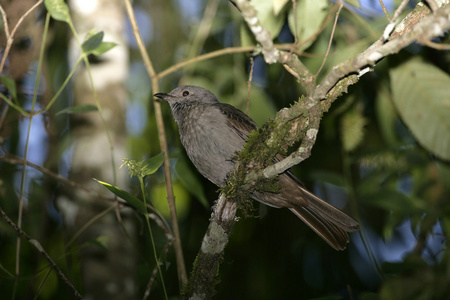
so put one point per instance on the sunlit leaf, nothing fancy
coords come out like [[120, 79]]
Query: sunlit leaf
[[92, 42], [10, 85], [58, 9], [153, 163], [158, 195], [421, 95], [77, 109], [104, 47], [278, 5], [310, 14], [267, 17], [132, 200]]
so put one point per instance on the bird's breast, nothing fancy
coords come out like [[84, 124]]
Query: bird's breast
[[210, 144]]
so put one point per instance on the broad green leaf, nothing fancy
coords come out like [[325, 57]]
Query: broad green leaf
[[132, 200], [10, 85], [421, 94], [352, 129], [101, 241], [191, 181], [153, 164], [158, 195], [104, 47], [77, 109], [58, 9], [267, 17], [310, 15], [92, 42], [278, 5]]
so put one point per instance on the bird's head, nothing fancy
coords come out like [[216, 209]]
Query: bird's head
[[189, 93]]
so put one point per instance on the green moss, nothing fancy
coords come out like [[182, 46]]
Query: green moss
[[261, 149]]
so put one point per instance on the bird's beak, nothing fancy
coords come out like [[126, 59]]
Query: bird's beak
[[162, 96]]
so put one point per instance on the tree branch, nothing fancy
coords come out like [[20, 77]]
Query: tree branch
[[204, 274], [301, 121]]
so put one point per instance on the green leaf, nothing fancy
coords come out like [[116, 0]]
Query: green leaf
[[352, 129], [158, 194], [278, 5], [267, 17], [132, 200], [191, 182], [10, 85], [421, 95], [153, 164], [101, 241], [92, 41], [104, 47], [310, 15], [58, 9], [77, 109], [144, 167]]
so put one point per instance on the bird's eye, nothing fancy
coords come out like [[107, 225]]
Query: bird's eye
[[185, 93]]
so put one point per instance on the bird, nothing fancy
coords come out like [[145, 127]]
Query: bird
[[213, 132]]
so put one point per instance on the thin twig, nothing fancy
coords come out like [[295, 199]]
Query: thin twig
[[249, 84], [434, 45], [390, 27], [204, 28], [10, 36], [181, 268], [383, 7], [331, 38], [221, 52], [41, 250], [399, 10], [155, 270]]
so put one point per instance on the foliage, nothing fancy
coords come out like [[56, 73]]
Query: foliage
[[381, 154]]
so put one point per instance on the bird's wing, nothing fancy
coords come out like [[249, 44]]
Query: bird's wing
[[237, 120]]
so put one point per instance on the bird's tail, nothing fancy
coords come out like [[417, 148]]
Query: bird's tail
[[327, 221]]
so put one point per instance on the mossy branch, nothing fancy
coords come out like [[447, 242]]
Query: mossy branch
[[299, 123]]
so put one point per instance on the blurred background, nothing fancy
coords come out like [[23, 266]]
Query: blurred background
[[370, 159]]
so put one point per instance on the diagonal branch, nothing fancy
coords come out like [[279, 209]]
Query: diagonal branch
[[41, 250], [302, 120]]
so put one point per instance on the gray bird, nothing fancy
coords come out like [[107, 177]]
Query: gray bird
[[212, 132]]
